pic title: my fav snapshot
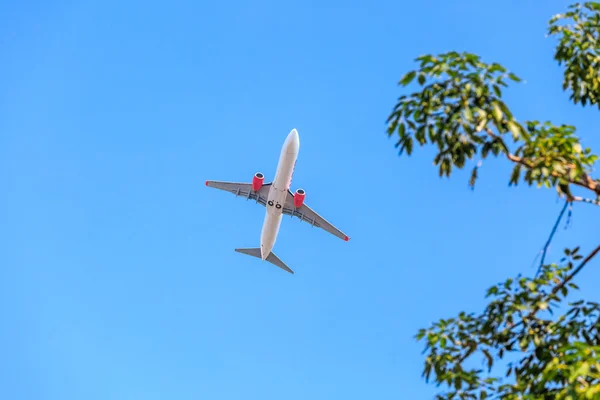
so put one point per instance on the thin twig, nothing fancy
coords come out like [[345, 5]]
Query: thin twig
[[584, 200], [565, 281], [547, 245]]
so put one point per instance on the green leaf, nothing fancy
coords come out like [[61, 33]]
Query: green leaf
[[524, 343], [468, 114], [514, 77], [408, 145], [457, 383], [490, 360], [514, 129], [497, 90], [514, 177], [473, 178], [408, 77], [496, 111]]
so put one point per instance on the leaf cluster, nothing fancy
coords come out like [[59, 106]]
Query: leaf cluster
[[557, 358], [578, 49], [552, 156], [529, 342], [459, 96], [458, 108]]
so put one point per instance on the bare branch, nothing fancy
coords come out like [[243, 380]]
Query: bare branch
[[584, 200]]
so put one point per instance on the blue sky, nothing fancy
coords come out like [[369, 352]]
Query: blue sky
[[118, 278]]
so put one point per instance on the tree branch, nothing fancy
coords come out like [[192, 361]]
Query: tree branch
[[584, 200], [473, 345], [576, 270], [586, 182], [566, 280]]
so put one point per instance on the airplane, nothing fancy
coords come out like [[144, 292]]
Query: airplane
[[278, 199]]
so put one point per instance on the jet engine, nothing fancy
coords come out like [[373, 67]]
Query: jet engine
[[299, 198], [257, 181]]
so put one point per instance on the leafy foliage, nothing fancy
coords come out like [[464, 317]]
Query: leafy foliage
[[529, 342], [553, 156], [459, 108], [578, 49], [463, 97], [557, 358]]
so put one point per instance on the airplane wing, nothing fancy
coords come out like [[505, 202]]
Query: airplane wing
[[305, 213], [243, 189]]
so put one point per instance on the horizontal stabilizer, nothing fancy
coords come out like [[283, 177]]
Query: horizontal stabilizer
[[272, 258]]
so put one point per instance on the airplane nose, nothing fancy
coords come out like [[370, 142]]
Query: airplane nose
[[292, 142]]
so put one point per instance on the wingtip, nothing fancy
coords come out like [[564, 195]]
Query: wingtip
[[206, 183], [346, 238]]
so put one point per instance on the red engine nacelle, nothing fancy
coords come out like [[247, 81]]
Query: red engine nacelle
[[299, 198], [257, 181]]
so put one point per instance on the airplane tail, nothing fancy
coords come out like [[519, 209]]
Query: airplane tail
[[272, 258]]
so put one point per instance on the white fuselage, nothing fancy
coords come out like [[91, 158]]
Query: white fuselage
[[279, 192]]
